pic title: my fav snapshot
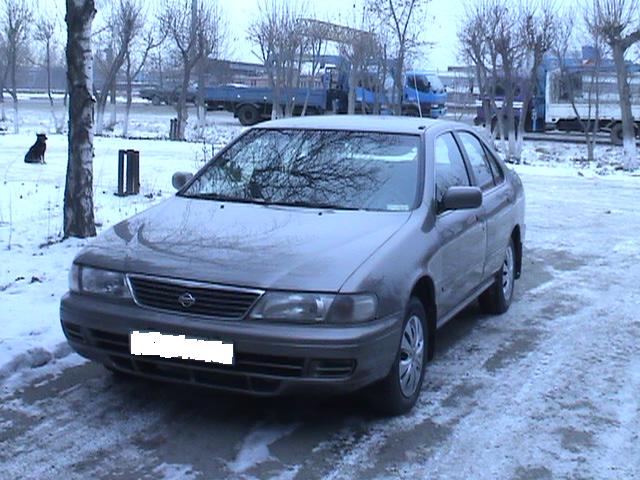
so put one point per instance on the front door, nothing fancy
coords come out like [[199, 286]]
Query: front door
[[462, 233]]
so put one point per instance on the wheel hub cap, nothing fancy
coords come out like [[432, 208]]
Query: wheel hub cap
[[508, 273], [411, 356]]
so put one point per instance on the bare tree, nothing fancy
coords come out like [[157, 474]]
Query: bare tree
[[618, 23], [46, 28], [569, 83], [474, 48], [4, 70], [143, 41], [211, 33], [403, 18], [509, 43], [15, 20], [316, 47], [78, 194], [486, 33], [194, 29], [122, 25], [540, 27], [281, 41]]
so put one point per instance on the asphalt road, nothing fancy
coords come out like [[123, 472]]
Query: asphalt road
[[548, 390]]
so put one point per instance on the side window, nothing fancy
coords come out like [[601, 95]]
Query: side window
[[496, 169], [450, 168], [477, 159]]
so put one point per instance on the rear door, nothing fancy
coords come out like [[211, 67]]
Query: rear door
[[461, 232], [497, 196]]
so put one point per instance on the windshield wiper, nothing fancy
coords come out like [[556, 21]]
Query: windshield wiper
[[262, 201], [305, 204], [223, 198]]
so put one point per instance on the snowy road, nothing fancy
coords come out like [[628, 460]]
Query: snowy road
[[549, 390]]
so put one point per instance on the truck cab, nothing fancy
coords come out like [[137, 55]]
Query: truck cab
[[423, 94]]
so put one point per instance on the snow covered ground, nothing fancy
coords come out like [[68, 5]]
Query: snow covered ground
[[33, 263], [548, 390]]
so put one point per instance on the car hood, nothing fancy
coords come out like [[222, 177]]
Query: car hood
[[244, 244]]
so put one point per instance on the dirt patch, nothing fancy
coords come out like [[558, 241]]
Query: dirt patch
[[522, 342]]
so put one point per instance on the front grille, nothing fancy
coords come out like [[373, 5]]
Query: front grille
[[210, 300]]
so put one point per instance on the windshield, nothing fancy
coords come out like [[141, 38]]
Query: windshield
[[315, 168], [436, 83]]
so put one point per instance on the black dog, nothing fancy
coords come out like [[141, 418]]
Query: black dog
[[36, 152]]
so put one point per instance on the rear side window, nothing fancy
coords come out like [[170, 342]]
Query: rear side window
[[450, 168], [496, 169], [477, 160]]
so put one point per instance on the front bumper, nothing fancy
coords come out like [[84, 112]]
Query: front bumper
[[269, 359]]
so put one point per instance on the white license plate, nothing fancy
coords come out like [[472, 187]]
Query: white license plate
[[179, 346]]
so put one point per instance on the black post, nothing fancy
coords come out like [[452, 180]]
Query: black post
[[129, 172], [120, 192], [134, 159]]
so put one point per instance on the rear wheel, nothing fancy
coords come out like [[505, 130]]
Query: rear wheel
[[248, 115], [398, 392], [156, 100], [497, 298]]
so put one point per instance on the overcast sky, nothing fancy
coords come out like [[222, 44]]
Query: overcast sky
[[439, 25]]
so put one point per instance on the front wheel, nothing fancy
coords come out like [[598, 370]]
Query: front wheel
[[497, 298], [398, 392]]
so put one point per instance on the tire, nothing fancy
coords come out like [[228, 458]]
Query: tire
[[248, 115], [156, 100], [397, 393], [497, 298], [411, 112]]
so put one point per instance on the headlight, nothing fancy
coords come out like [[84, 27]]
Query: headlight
[[301, 307], [101, 282]]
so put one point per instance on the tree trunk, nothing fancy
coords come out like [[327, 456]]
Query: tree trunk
[[16, 116], [181, 106], [78, 194], [56, 125], [100, 108], [202, 111], [351, 99], [112, 119], [127, 109], [398, 85], [628, 130], [511, 118], [14, 94]]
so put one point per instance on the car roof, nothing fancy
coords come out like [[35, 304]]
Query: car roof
[[362, 123]]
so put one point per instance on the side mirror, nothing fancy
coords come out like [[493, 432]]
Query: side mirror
[[180, 179], [460, 198]]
